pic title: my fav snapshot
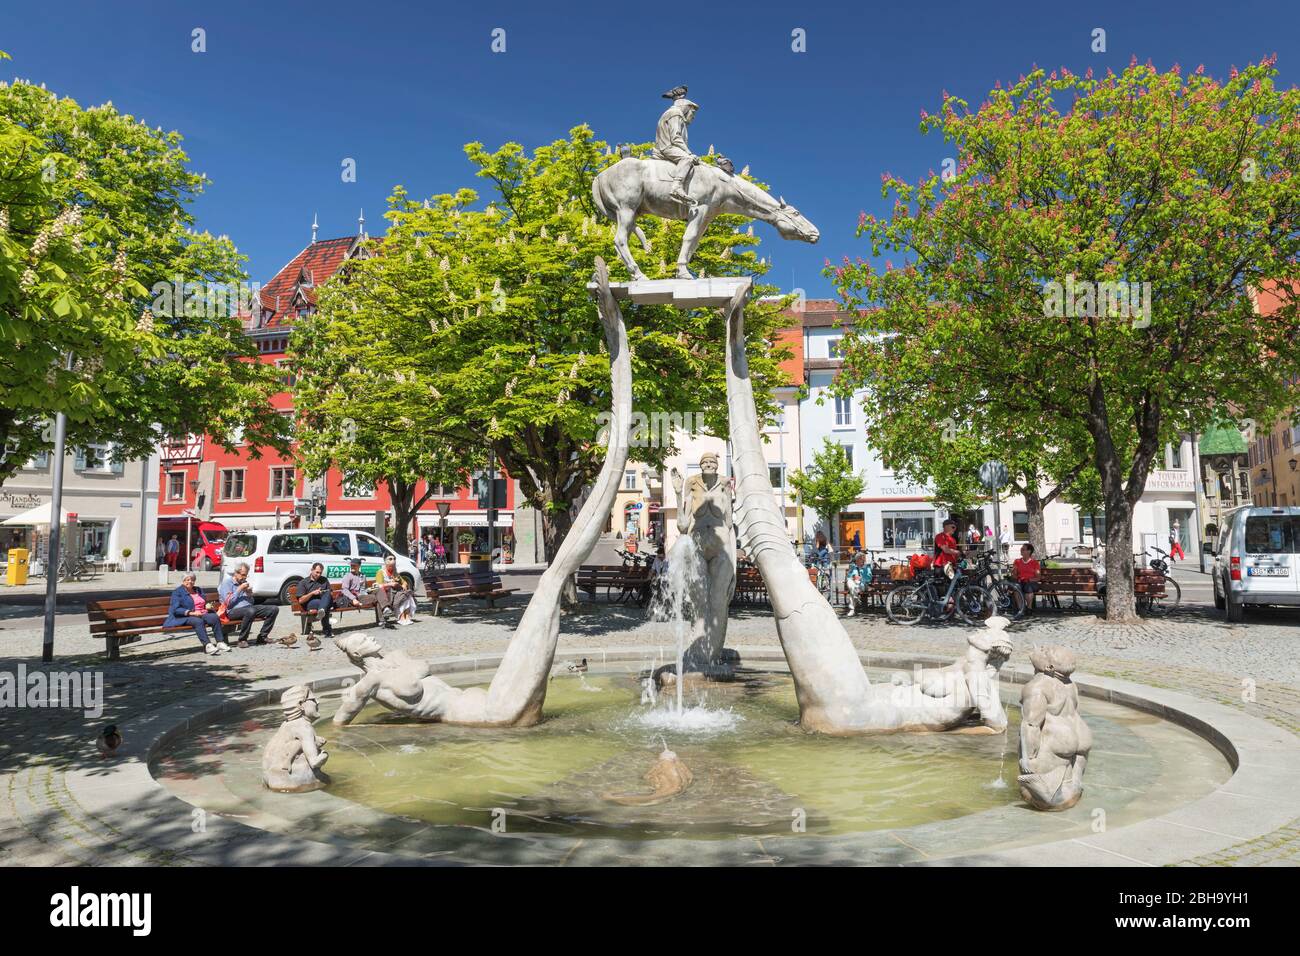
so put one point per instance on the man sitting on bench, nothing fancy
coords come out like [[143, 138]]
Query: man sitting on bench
[[352, 589], [314, 600], [237, 595], [1027, 575]]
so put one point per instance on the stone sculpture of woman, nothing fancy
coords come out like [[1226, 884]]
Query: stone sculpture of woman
[[704, 512], [292, 760], [401, 684], [971, 682], [1054, 740]]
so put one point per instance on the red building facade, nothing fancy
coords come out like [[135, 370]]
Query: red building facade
[[201, 479]]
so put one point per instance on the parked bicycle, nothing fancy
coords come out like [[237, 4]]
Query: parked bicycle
[[939, 597], [1154, 601], [989, 573], [75, 569]]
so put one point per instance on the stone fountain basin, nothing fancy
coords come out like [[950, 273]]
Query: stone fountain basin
[[1260, 796]]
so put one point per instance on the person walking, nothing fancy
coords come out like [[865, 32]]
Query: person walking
[[1006, 541], [1176, 542], [173, 552], [189, 607]]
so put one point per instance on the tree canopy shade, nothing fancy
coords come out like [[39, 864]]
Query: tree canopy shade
[[93, 226], [1087, 267], [829, 484], [482, 314]]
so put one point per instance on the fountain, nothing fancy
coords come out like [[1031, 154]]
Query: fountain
[[808, 747]]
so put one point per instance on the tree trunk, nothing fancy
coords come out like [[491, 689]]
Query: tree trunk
[[555, 528], [1037, 525], [402, 494]]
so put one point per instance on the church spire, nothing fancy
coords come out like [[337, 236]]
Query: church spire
[[314, 226]]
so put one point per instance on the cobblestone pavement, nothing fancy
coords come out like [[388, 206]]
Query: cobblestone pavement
[[1253, 667]]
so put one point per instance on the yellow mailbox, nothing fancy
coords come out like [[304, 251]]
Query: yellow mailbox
[[16, 572]]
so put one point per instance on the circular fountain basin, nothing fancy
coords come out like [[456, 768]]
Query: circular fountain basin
[[762, 788]]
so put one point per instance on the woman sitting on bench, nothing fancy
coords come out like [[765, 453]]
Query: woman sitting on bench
[[394, 597], [189, 607]]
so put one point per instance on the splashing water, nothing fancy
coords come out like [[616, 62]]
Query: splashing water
[[672, 601]]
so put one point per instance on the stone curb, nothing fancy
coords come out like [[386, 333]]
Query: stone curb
[[1262, 795]]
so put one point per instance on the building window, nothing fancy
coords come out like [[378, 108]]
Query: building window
[[833, 347], [39, 463], [776, 475], [98, 457], [175, 486], [232, 484], [282, 483], [629, 480], [848, 454], [1020, 525], [1176, 456], [442, 491], [354, 487], [844, 412], [908, 529], [288, 422]]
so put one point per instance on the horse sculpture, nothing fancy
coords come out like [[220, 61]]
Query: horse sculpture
[[635, 187]]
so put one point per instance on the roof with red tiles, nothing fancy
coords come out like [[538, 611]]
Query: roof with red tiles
[[294, 286]]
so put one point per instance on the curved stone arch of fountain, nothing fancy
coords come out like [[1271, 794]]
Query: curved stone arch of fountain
[[1261, 796]]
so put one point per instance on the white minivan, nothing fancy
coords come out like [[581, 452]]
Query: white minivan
[[1257, 559], [277, 559]]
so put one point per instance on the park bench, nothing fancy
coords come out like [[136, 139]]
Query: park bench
[[1148, 582], [126, 620], [750, 586], [457, 585], [1075, 582], [619, 583], [335, 588]]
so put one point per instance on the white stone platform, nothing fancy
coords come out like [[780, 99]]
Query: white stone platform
[[683, 293]]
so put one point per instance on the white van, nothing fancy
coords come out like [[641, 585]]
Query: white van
[[1257, 559], [277, 559]]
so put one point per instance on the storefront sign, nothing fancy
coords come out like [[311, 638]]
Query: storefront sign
[[1169, 481], [20, 502]]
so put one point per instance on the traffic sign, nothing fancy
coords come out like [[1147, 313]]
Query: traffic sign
[[993, 473]]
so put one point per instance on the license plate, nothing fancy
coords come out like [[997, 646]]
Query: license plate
[[1267, 572]]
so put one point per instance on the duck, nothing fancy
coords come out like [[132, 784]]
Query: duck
[[578, 668], [108, 741]]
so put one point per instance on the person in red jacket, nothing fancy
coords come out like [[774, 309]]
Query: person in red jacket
[[945, 545], [1027, 574]]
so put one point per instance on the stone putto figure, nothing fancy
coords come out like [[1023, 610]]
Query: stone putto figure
[[292, 760], [1054, 740], [394, 680], [705, 504]]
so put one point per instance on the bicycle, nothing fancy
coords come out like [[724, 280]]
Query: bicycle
[[1011, 602], [911, 603], [823, 580], [1158, 600], [75, 569]]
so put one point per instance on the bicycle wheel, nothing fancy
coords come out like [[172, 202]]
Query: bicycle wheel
[[906, 605], [1155, 605], [1010, 600], [975, 604]]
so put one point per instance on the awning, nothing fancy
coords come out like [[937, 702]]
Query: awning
[[40, 517], [245, 523]]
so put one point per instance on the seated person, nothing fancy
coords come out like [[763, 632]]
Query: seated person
[[857, 579], [314, 599], [189, 607], [946, 551], [237, 595], [1027, 575], [394, 597], [352, 589]]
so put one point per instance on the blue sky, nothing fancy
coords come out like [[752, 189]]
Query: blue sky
[[287, 90]]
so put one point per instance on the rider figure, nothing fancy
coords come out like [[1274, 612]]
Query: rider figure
[[670, 144]]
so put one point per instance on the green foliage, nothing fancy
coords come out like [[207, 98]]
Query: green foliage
[[483, 312], [829, 484], [92, 215], [1183, 182]]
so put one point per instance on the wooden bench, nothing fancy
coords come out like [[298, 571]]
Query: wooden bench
[[619, 583], [126, 620], [335, 588], [480, 585], [750, 586], [1149, 583], [1076, 582]]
